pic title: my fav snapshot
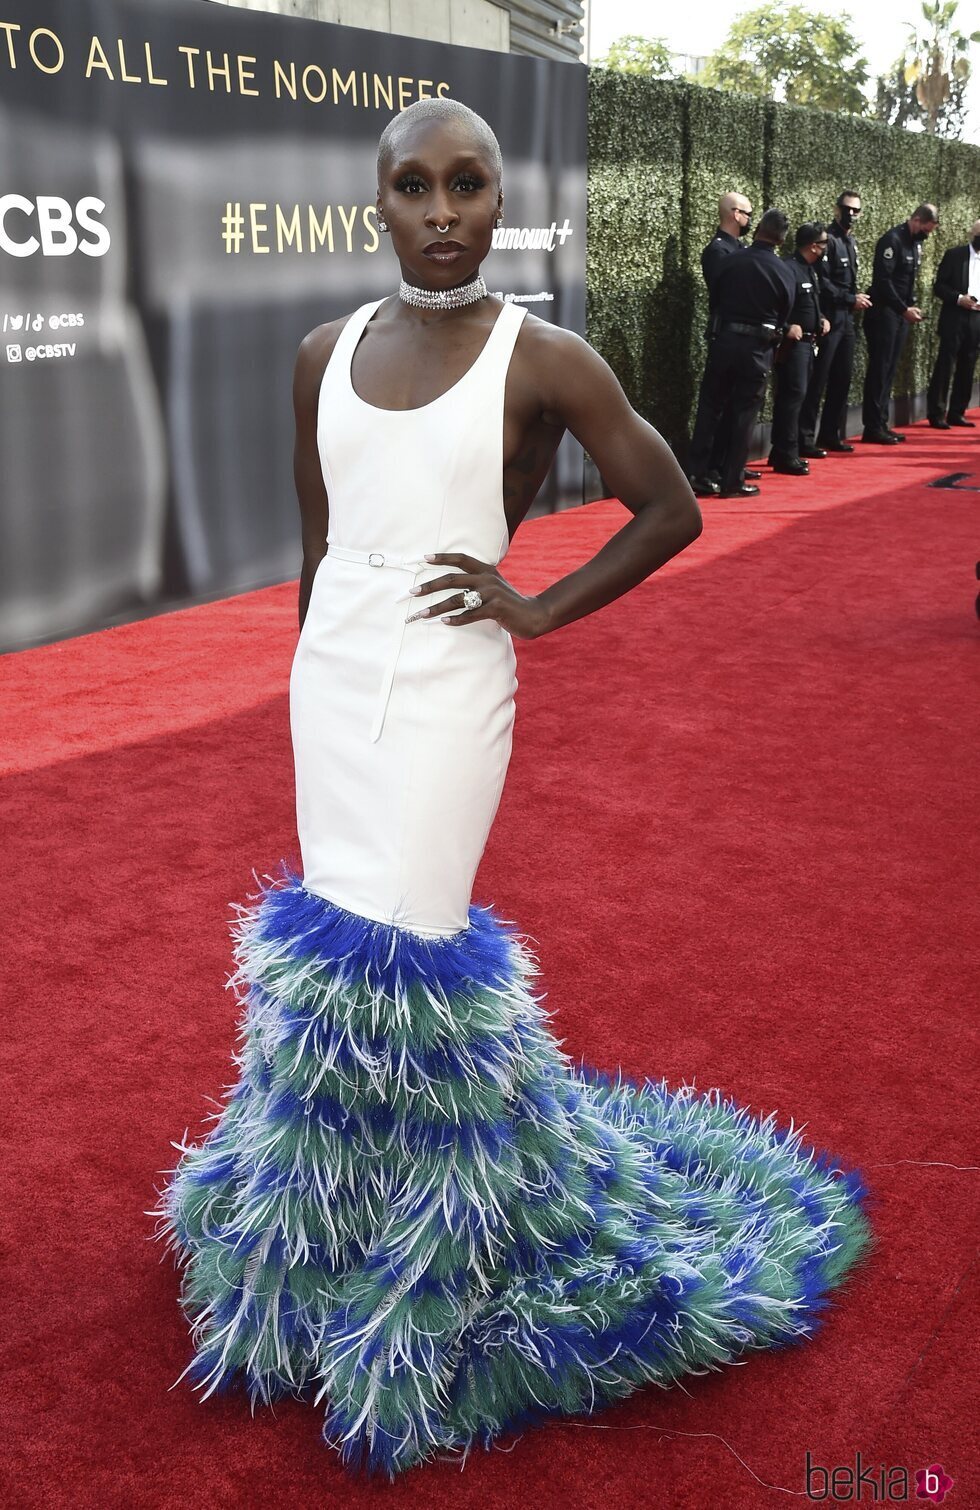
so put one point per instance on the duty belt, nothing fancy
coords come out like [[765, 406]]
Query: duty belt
[[412, 564], [767, 332]]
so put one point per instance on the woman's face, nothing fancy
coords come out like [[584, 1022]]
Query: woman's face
[[439, 175]]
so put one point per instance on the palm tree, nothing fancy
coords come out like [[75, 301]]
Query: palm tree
[[937, 63]]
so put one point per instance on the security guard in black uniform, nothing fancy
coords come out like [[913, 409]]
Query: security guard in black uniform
[[794, 359], [734, 222], [840, 301], [754, 297], [893, 309]]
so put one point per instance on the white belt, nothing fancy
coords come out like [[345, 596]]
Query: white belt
[[411, 564], [378, 558]]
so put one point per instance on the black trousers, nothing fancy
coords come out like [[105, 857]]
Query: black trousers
[[885, 332], [735, 373], [792, 377], [721, 442], [723, 434], [959, 344], [830, 383]]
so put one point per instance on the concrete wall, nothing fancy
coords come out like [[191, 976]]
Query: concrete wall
[[469, 23], [533, 28], [547, 29]]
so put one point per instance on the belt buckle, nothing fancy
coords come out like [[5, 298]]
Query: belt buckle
[[375, 558]]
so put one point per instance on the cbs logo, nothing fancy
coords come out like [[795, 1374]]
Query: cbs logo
[[55, 220]]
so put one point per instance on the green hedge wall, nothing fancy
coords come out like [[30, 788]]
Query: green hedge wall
[[636, 143], [660, 153]]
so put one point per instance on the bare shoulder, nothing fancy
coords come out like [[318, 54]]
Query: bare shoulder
[[564, 370], [315, 351], [544, 343], [552, 350]]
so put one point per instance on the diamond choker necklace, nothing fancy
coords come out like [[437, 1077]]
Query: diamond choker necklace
[[445, 298]]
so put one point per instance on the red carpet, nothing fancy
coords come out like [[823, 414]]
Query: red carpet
[[740, 827]]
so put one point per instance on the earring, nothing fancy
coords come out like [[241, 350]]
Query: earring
[[382, 223], [499, 220]]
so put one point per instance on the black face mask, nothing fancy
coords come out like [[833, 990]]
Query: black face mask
[[745, 229], [975, 243], [921, 236], [846, 218]]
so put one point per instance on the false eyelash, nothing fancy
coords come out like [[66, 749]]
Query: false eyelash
[[466, 178]]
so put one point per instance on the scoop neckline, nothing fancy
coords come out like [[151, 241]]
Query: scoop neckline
[[419, 408]]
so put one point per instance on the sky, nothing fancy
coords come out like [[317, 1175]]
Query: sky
[[699, 26]]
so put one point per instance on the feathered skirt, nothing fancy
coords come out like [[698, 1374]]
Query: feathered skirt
[[414, 1208]]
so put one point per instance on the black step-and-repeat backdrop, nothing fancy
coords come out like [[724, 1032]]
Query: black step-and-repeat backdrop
[[185, 191]]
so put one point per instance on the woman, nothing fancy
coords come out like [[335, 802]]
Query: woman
[[410, 1204]]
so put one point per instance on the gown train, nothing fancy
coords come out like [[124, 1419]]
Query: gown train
[[413, 1208]]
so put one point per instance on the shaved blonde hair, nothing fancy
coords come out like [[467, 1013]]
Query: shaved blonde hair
[[439, 110]]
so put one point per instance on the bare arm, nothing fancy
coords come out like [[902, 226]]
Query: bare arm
[[307, 471], [574, 387], [637, 466]]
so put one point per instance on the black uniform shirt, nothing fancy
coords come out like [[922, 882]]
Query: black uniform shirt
[[714, 257], [837, 271], [756, 289], [806, 305], [896, 264]]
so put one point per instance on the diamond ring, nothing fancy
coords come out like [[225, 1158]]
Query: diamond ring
[[471, 598]]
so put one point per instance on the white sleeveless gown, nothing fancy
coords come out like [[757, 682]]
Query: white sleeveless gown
[[402, 732], [412, 1204]]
